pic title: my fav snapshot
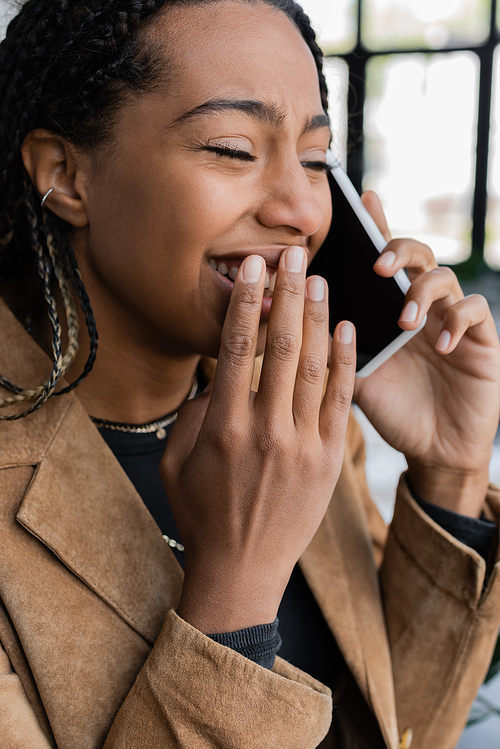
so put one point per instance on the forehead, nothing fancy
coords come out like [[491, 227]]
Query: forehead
[[233, 48]]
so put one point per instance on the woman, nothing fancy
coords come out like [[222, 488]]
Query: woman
[[160, 159]]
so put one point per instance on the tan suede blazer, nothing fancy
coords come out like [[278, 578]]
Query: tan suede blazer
[[94, 655]]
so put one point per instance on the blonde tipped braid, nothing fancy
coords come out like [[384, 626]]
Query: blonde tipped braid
[[26, 394], [44, 391], [69, 305]]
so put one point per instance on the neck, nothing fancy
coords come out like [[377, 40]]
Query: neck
[[131, 381], [121, 389]]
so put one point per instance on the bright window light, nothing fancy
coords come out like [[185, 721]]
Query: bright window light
[[420, 139], [424, 23], [334, 22]]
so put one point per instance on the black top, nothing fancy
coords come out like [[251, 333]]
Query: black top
[[300, 634]]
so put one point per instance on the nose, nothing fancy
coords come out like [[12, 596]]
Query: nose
[[289, 199]]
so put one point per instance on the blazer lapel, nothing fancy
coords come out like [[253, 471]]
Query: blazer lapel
[[83, 507]]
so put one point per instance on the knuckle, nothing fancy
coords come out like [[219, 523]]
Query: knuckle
[[312, 369], [248, 297], [238, 346], [345, 359], [445, 273], [341, 396], [224, 441], [290, 287], [318, 317], [477, 299], [272, 442], [284, 346]]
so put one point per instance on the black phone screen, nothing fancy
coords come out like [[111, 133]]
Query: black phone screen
[[356, 292]]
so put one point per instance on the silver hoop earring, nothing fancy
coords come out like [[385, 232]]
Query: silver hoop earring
[[46, 196]]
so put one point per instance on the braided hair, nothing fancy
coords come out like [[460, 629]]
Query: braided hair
[[67, 66]]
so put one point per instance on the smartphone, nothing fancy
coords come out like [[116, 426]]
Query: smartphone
[[357, 293]]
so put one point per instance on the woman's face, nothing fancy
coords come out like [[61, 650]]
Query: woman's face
[[216, 164]]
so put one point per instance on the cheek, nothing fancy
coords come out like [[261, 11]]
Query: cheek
[[317, 239]]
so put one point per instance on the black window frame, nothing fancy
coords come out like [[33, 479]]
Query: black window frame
[[357, 60]]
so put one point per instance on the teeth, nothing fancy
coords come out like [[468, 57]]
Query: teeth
[[222, 268]]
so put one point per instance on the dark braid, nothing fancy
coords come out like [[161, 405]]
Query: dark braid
[[68, 66]]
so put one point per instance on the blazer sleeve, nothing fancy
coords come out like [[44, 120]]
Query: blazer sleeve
[[442, 620], [215, 697]]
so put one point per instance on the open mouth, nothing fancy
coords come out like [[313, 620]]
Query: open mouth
[[229, 269]]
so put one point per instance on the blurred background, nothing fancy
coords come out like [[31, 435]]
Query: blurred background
[[415, 106]]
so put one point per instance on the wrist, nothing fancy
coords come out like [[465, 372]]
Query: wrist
[[457, 490], [215, 601]]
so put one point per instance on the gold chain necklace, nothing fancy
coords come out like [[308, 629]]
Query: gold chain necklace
[[154, 426]]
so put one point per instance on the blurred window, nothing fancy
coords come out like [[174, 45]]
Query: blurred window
[[420, 144], [422, 115], [424, 23], [492, 246], [335, 23]]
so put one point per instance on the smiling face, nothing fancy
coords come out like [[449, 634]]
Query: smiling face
[[223, 160]]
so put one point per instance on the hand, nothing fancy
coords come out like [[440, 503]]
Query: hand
[[249, 475], [437, 399]]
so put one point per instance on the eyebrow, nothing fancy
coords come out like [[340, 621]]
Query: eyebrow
[[267, 114]]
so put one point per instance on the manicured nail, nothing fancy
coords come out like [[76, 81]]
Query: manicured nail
[[252, 268], [316, 289], [346, 333], [410, 312], [443, 341], [387, 259], [294, 259]]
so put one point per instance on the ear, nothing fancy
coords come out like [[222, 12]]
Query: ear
[[51, 161]]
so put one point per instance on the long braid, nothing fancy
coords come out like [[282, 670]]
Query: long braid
[[67, 66], [62, 240]]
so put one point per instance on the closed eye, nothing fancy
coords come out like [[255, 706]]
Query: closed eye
[[230, 151], [318, 166]]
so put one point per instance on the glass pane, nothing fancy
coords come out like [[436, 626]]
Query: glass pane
[[7, 11], [492, 244], [394, 24], [334, 22], [420, 140], [337, 80]]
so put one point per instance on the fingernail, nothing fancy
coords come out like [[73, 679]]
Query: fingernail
[[387, 259], [346, 333], [443, 341], [294, 259], [252, 268], [410, 312], [316, 289]]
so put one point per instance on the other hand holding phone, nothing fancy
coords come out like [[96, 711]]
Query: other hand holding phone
[[437, 399]]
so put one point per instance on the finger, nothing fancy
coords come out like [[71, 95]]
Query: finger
[[371, 202], [284, 333], [438, 285], [410, 254], [233, 376], [339, 388], [471, 313], [311, 369]]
